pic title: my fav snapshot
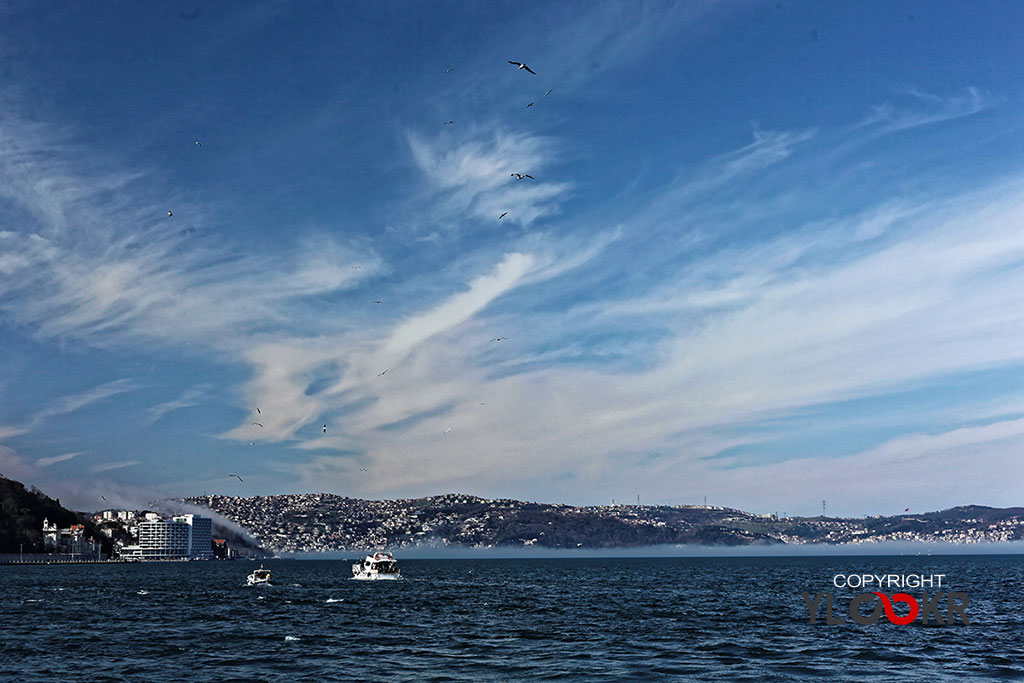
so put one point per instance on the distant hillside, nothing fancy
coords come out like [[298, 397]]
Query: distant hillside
[[21, 518], [322, 522]]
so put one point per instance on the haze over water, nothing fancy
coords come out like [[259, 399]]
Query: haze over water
[[737, 619]]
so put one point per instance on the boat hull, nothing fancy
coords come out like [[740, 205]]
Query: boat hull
[[376, 577]]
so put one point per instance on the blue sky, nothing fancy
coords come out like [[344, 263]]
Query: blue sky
[[772, 252]]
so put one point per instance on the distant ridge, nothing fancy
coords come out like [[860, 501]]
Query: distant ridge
[[324, 522]]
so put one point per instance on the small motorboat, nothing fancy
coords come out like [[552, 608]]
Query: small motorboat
[[258, 577], [376, 566]]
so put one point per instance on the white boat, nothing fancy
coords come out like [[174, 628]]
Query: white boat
[[258, 576], [376, 566]]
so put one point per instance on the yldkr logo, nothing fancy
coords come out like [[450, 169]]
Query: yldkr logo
[[927, 608]]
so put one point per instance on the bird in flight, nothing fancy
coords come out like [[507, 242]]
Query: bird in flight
[[378, 301], [523, 66], [258, 410], [381, 374], [548, 92], [170, 213], [257, 424], [447, 71], [520, 176], [198, 144], [237, 477], [529, 105], [102, 497], [447, 430], [502, 215], [187, 231], [325, 429], [362, 469], [498, 339], [448, 123], [357, 267], [252, 443]]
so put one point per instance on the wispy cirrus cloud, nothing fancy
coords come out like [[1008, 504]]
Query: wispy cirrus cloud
[[875, 297], [474, 177], [114, 466], [187, 399], [753, 285], [69, 404], [924, 108], [46, 462], [92, 256], [460, 307]]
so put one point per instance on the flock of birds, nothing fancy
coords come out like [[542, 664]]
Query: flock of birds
[[520, 66]]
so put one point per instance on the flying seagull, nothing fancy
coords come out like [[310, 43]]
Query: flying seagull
[[252, 443], [447, 71], [356, 267], [548, 92], [448, 123], [502, 215], [378, 301], [198, 144], [258, 410], [325, 429], [498, 339], [520, 176], [257, 424], [529, 105], [102, 497], [170, 213], [523, 66], [237, 477], [381, 374], [447, 430]]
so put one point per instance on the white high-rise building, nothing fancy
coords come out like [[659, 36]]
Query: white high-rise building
[[163, 540], [200, 540]]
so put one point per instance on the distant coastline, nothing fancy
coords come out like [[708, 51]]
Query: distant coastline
[[321, 522]]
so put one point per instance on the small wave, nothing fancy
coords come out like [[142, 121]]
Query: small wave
[[35, 600], [261, 597], [296, 585], [334, 600], [292, 638], [142, 592]]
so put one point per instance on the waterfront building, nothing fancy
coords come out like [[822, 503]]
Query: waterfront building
[[163, 540], [70, 541], [200, 538]]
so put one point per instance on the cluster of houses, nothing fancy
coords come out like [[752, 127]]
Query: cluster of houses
[[139, 536], [71, 541]]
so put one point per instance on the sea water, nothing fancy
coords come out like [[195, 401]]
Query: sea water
[[733, 619]]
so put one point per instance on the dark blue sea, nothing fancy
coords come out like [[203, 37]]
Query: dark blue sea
[[729, 619]]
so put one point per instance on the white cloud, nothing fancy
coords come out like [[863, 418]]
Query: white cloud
[[46, 462], [115, 466], [187, 399], [460, 307], [69, 404], [475, 177], [934, 296], [926, 109]]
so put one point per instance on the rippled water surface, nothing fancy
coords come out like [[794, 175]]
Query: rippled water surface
[[737, 619]]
